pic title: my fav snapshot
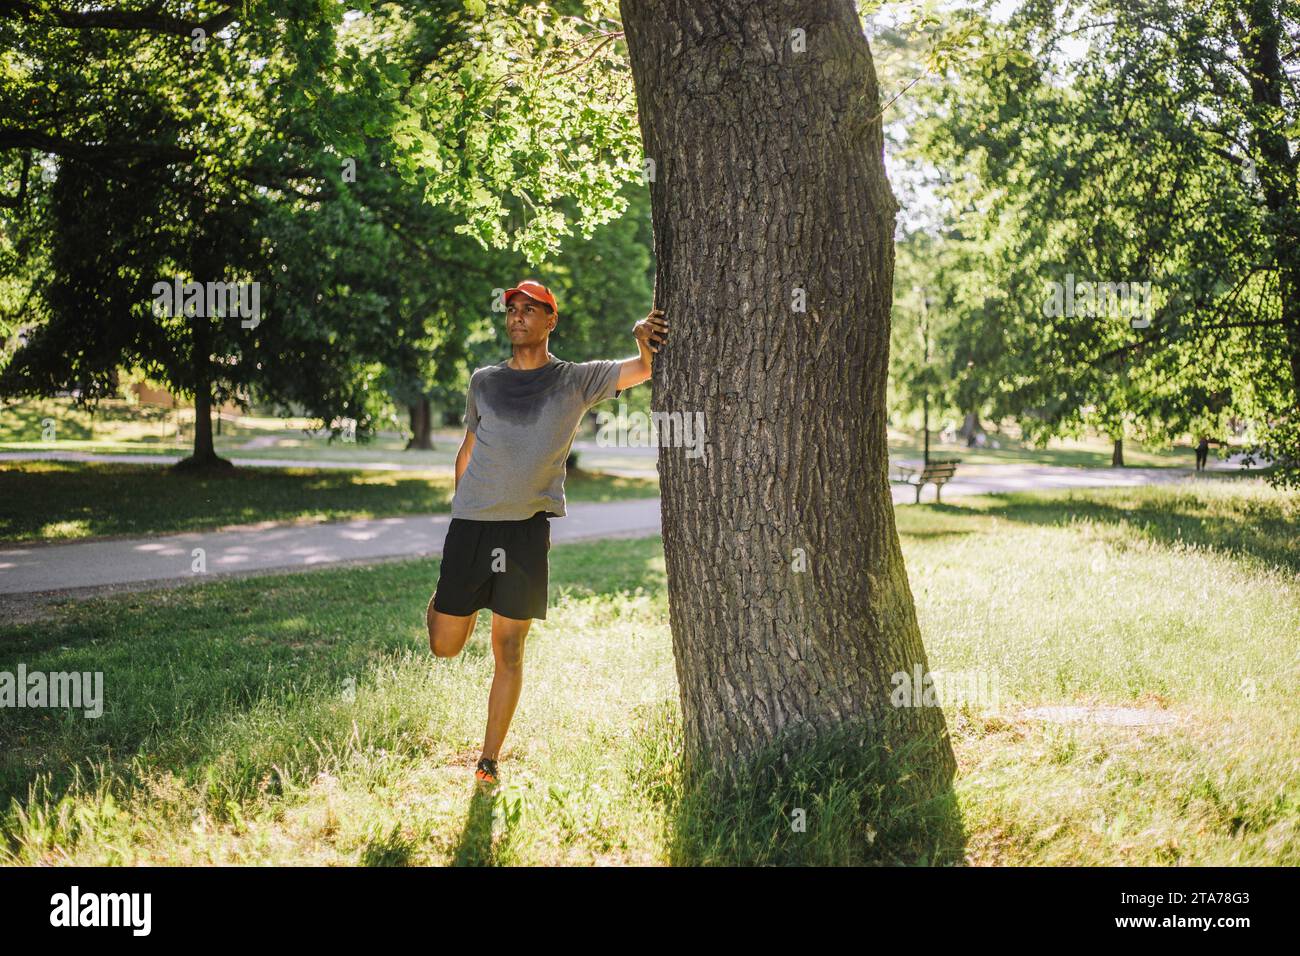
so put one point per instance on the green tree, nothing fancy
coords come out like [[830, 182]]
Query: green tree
[[1142, 158]]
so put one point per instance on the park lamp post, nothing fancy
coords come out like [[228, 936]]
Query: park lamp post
[[925, 367]]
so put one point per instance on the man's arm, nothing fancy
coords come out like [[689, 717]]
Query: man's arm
[[462, 456], [652, 329]]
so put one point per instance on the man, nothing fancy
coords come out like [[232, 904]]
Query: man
[[521, 416], [1202, 453]]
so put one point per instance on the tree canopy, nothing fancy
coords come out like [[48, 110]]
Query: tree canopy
[[1145, 145]]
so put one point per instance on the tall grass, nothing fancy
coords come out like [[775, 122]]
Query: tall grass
[[300, 718]]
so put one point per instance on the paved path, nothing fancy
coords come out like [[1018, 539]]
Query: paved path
[[995, 479], [27, 569], [41, 567]]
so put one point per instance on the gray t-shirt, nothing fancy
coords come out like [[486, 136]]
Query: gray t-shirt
[[524, 423]]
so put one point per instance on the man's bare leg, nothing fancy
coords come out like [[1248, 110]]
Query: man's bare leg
[[448, 632], [508, 649]]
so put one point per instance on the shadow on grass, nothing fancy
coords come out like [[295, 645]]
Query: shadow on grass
[[1238, 527], [936, 535], [232, 685], [391, 849], [64, 501], [842, 801], [27, 421], [475, 846], [190, 666]]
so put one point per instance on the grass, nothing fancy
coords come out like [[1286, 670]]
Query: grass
[[1091, 452], [120, 422], [64, 501], [304, 449], [1180, 601], [122, 428], [300, 719]]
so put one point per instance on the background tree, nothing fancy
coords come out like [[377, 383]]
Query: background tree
[[338, 158], [178, 129], [1129, 145]]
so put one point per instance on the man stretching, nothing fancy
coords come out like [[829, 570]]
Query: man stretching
[[521, 417]]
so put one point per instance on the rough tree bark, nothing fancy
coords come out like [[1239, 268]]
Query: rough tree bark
[[769, 185], [1116, 452], [203, 446]]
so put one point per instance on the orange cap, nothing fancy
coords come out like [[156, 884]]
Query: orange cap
[[534, 290]]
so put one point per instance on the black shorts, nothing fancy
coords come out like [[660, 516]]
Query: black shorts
[[500, 565]]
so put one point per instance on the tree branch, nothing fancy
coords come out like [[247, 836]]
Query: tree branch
[[17, 138], [1164, 329], [150, 19], [16, 202]]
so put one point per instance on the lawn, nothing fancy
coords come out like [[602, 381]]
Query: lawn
[[64, 501], [1090, 452], [122, 428], [300, 719]]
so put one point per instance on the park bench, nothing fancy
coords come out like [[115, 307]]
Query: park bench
[[937, 473]]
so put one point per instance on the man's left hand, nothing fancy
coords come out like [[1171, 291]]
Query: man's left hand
[[652, 329]]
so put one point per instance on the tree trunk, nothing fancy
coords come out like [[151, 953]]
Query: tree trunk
[[1117, 453], [925, 427], [1261, 42], [204, 455], [421, 426], [970, 428], [203, 446], [207, 263], [769, 185]]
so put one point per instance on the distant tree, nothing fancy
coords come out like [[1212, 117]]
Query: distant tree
[[1158, 157], [338, 158], [176, 134]]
